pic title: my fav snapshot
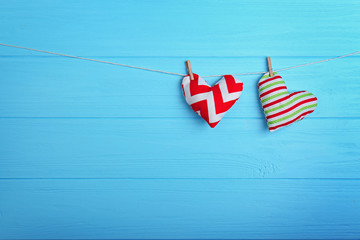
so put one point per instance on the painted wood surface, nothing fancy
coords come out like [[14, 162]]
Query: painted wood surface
[[94, 151]]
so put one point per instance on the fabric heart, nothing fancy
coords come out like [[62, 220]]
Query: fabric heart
[[280, 107], [211, 103]]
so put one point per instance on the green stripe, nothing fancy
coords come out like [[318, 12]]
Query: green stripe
[[271, 84], [267, 75], [293, 114], [274, 96], [288, 103]]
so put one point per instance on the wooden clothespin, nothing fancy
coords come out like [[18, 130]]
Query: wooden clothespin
[[269, 66], [188, 66]]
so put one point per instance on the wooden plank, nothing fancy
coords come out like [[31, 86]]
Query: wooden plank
[[97, 151], [61, 87], [183, 28], [177, 148], [192, 209]]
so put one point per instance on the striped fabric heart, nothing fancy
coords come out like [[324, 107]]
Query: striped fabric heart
[[211, 103], [282, 108]]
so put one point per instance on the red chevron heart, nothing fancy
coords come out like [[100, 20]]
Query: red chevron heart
[[211, 103]]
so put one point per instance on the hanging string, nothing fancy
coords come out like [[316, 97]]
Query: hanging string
[[172, 73], [90, 59], [288, 68]]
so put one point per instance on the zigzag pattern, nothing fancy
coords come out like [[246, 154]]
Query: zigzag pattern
[[211, 103]]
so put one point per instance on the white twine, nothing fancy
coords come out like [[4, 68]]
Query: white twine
[[172, 73]]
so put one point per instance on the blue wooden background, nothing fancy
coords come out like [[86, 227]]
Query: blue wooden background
[[90, 150]]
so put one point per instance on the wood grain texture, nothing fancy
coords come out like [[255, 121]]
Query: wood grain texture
[[185, 28], [74, 88], [192, 209], [94, 151], [177, 148]]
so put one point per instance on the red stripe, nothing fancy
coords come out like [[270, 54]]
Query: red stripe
[[281, 99], [203, 108], [232, 85], [288, 123], [272, 90], [212, 125], [220, 105], [268, 80], [204, 112], [195, 88], [291, 108]]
